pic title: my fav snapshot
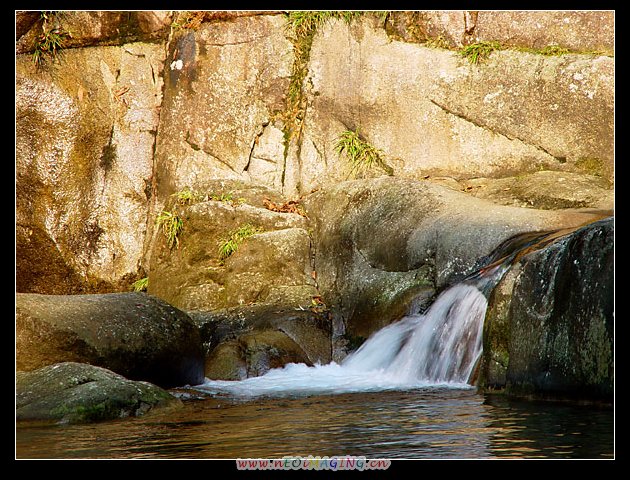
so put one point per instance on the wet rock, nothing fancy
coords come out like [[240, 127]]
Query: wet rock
[[496, 333], [79, 393], [252, 355], [384, 244], [132, 334], [250, 340], [551, 321], [307, 325]]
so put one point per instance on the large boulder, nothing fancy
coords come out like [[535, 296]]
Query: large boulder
[[385, 245], [79, 393], [272, 266], [549, 329], [250, 340], [133, 334], [252, 355], [85, 132]]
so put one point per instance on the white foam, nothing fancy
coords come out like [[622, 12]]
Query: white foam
[[439, 348]]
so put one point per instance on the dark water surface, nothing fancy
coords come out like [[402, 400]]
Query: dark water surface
[[427, 423]]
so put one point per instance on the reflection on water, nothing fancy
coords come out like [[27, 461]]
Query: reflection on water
[[425, 423]]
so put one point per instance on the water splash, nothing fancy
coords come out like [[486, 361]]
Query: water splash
[[438, 348], [441, 346]]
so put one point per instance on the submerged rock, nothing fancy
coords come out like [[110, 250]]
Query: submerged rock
[[72, 392], [549, 329], [133, 334]]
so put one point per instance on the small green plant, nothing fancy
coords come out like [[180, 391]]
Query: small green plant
[[171, 225], [48, 44], [554, 50], [140, 285], [304, 23], [235, 238], [362, 155], [478, 51], [187, 196], [226, 197], [437, 42]]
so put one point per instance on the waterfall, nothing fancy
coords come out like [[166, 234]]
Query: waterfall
[[439, 347]]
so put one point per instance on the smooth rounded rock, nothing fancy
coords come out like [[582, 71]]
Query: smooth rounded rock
[[133, 334]]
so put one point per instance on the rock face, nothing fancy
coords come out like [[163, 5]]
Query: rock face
[[546, 190], [79, 393], [89, 28], [85, 131], [431, 112], [133, 334], [271, 265], [138, 108], [382, 243], [225, 84], [549, 328], [573, 30]]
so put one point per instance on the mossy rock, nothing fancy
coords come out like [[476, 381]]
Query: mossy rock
[[72, 392]]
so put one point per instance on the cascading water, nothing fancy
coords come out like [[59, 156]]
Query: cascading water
[[440, 347]]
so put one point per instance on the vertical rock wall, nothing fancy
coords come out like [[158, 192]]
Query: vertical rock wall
[[138, 107], [85, 133]]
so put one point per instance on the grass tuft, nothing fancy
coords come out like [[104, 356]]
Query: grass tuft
[[171, 225], [553, 50], [48, 45], [187, 196], [235, 238], [479, 51], [226, 197], [140, 285], [362, 155]]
